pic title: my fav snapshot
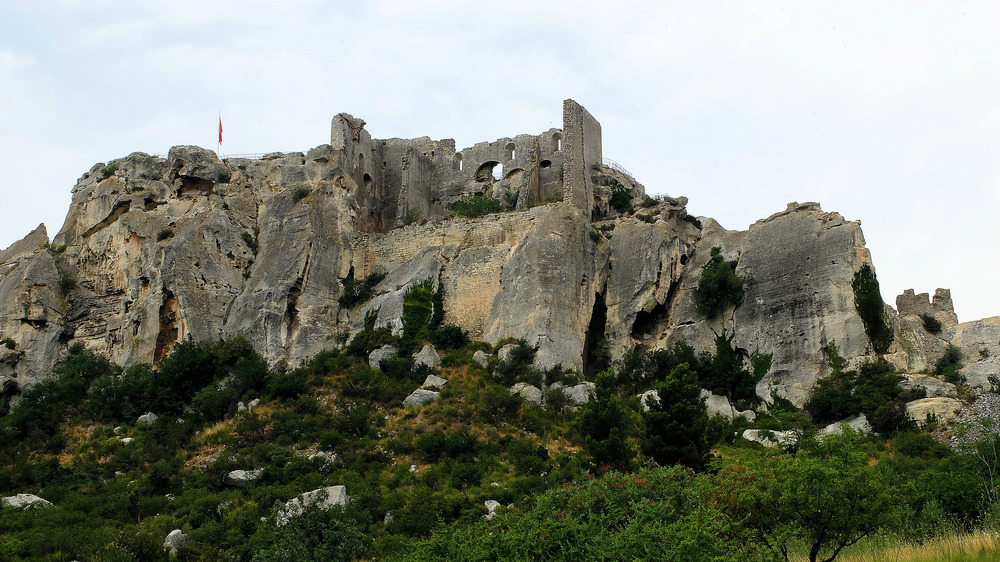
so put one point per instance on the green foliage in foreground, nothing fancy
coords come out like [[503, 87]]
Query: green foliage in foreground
[[554, 467], [828, 496], [651, 514]]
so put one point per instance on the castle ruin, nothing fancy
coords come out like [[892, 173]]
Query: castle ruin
[[413, 179]]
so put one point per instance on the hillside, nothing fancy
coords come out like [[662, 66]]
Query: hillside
[[430, 334]]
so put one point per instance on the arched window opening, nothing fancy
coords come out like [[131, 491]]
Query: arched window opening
[[489, 171], [556, 141], [458, 162], [361, 161], [368, 181], [545, 163], [510, 150]]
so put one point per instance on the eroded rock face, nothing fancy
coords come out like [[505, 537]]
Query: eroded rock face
[[160, 250]]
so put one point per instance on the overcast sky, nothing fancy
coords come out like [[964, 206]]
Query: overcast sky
[[888, 113]]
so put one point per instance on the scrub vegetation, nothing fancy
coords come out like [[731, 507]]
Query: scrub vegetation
[[608, 480]]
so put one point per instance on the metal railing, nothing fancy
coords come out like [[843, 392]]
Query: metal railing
[[617, 167]]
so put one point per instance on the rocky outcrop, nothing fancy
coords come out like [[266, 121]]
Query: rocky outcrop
[[241, 478], [25, 501], [323, 499], [939, 409], [421, 397], [175, 539], [155, 251]]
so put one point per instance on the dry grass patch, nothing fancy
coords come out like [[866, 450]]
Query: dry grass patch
[[978, 546]]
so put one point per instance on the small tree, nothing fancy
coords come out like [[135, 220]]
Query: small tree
[[728, 373], [602, 423], [718, 287], [677, 422], [871, 309], [827, 495]]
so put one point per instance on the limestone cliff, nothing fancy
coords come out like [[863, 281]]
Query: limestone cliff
[[159, 250]]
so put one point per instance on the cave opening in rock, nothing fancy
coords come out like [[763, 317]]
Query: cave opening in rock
[[596, 355], [647, 321]]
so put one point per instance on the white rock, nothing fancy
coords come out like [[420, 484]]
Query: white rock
[[944, 409], [241, 407], [126, 440], [434, 382], [505, 352], [719, 406], [427, 357], [782, 438], [529, 393], [326, 456], [936, 388], [388, 518], [420, 397], [481, 357], [413, 468], [858, 423], [118, 430], [148, 418], [579, 394], [242, 477], [175, 540], [25, 501], [253, 404], [376, 357], [491, 507], [647, 399], [322, 498]]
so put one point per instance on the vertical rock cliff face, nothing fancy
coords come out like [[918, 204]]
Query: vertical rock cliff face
[[155, 251]]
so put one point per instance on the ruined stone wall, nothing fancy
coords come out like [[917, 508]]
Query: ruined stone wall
[[583, 155], [941, 308], [425, 178]]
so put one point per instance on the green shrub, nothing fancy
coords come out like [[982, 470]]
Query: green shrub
[[300, 193], [949, 363], [164, 234], [931, 324], [224, 176], [449, 336], [595, 236], [693, 220], [8, 343], [728, 374], [603, 424], [519, 367], [718, 287], [411, 216], [359, 291], [477, 206], [873, 389], [418, 310], [109, 170], [677, 423], [871, 309], [67, 281], [621, 197]]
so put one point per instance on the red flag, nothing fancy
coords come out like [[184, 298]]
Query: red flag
[[220, 130]]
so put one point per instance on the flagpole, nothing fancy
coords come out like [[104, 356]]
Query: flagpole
[[219, 150]]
